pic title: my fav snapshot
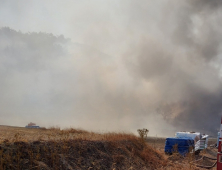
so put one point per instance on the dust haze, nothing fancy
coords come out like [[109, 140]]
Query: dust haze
[[112, 66]]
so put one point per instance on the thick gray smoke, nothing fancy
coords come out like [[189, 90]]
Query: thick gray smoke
[[184, 64], [146, 64]]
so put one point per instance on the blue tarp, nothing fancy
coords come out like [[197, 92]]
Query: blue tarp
[[35, 127], [183, 145]]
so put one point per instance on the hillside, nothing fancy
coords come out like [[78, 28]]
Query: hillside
[[52, 149]]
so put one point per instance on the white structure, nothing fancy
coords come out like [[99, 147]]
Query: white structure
[[200, 141]]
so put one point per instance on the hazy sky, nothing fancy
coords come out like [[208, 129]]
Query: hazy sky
[[109, 65]]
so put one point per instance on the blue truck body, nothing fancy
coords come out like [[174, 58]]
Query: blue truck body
[[183, 145]]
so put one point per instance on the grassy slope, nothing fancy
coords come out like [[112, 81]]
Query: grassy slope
[[52, 149], [74, 149]]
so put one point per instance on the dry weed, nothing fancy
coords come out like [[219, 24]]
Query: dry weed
[[54, 148]]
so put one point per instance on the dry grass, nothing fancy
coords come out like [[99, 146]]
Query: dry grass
[[54, 133], [53, 148]]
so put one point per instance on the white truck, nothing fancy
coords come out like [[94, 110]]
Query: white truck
[[200, 140]]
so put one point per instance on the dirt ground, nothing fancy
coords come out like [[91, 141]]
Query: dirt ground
[[158, 143]]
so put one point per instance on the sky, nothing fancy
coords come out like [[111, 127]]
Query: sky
[[112, 65]]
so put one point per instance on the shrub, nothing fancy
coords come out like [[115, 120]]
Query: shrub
[[143, 133]]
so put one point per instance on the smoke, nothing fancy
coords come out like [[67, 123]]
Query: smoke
[[183, 64], [142, 64]]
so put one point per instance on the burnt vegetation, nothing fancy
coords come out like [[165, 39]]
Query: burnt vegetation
[[77, 149]]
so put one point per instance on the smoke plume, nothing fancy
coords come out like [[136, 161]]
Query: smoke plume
[[142, 64]]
